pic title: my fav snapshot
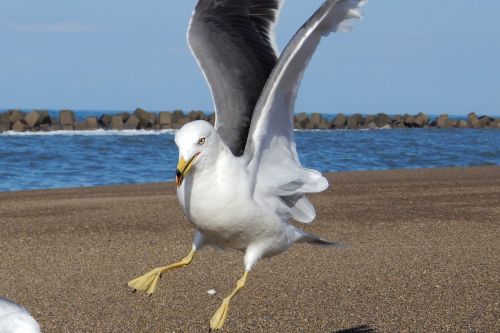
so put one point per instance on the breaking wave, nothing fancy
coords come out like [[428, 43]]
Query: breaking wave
[[99, 132]]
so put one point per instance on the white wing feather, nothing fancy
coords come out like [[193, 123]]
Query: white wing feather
[[270, 150]]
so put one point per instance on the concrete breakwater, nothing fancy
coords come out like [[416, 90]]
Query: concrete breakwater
[[41, 120]]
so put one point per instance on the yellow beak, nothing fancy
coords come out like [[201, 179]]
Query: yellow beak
[[183, 169]]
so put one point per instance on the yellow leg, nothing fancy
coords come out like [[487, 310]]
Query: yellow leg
[[220, 315], [149, 281]]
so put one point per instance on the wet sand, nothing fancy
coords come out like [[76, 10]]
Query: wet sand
[[424, 258]]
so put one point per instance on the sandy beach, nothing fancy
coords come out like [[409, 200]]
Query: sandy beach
[[424, 257]]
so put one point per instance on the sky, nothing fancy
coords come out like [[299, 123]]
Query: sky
[[405, 56]]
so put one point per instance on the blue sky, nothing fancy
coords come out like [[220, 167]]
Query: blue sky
[[405, 56]]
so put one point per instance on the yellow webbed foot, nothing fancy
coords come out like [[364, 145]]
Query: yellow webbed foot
[[149, 281], [220, 316]]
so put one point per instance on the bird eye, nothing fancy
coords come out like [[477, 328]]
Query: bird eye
[[201, 141]]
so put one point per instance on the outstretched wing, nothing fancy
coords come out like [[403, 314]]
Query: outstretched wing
[[232, 40], [270, 149]]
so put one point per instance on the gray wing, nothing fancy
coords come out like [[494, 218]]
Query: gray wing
[[271, 154], [232, 40], [273, 116]]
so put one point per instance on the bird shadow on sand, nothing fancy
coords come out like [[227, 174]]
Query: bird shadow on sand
[[358, 329]]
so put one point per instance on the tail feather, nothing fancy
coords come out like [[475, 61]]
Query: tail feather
[[306, 237]]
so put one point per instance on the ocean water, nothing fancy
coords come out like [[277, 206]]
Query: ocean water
[[75, 159]]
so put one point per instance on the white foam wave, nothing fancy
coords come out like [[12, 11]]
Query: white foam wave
[[99, 132]]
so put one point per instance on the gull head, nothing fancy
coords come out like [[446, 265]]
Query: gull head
[[199, 145], [18, 323], [16, 319]]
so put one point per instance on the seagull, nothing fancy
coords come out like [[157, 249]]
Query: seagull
[[16, 319], [240, 182]]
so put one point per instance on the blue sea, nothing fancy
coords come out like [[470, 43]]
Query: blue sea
[[44, 160]]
